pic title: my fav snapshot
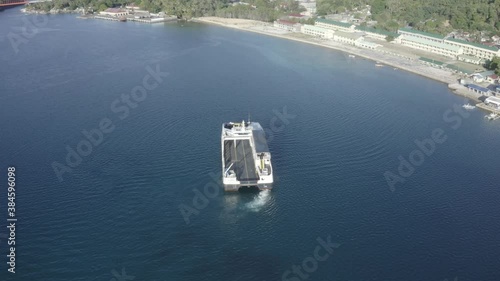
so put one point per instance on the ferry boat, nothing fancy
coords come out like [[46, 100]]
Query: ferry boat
[[246, 160], [468, 106]]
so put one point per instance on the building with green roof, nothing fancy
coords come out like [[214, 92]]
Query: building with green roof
[[474, 49], [431, 46], [420, 34]]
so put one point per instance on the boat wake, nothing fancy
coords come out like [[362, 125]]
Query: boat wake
[[259, 201]]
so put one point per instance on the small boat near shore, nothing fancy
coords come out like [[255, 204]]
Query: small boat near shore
[[469, 106], [379, 65], [352, 56], [492, 116]]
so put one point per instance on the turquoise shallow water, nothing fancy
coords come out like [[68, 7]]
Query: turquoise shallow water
[[119, 208]]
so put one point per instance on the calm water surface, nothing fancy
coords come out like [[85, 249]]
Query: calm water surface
[[119, 208]]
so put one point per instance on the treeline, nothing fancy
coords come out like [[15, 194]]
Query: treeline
[[264, 10], [439, 16]]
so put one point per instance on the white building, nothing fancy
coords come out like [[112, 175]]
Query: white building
[[287, 25], [431, 46], [335, 25], [474, 49], [347, 38], [493, 101], [114, 12], [470, 50], [366, 44], [317, 31]]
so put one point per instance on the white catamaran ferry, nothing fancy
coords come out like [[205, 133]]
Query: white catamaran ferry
[[246, 160]]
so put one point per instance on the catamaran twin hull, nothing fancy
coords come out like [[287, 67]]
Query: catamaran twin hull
[[246, 160]]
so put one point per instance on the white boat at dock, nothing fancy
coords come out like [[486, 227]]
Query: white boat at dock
[[492, 116]]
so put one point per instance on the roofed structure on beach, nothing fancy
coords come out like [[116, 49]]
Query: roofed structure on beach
[[432, 61], [458, 69], [478, 89], [493, 100]]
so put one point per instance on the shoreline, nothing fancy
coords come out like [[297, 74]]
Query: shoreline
[[411, 66], [450, 79]]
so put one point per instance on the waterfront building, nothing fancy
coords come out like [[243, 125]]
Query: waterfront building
[[474, 49], [493, 101], [114, 12], [287, 25], [366, 44], [335, 25], [471, 52], [478, 89], [347, 38], [482, 76], [317, 31], [431, 45]]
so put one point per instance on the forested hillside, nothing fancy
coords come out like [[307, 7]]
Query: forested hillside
[[265, 10], [438, 16]]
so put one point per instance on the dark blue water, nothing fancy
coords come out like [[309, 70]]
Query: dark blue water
[[116, 215]]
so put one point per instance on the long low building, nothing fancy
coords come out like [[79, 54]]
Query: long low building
[[347, 38], [317, 31], [478, 89], [474, 49], [335, 25], [432, 46], [493, 101], [287, 25], [114, 12]]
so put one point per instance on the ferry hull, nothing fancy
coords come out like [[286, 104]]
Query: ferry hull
[[246, 160]]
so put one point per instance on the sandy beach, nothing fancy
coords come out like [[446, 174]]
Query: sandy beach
[[404, 63]]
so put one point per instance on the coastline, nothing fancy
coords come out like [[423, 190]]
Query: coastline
[[379, 57], [412, 66]]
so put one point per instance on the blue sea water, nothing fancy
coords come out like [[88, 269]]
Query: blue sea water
[[117, 214]]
